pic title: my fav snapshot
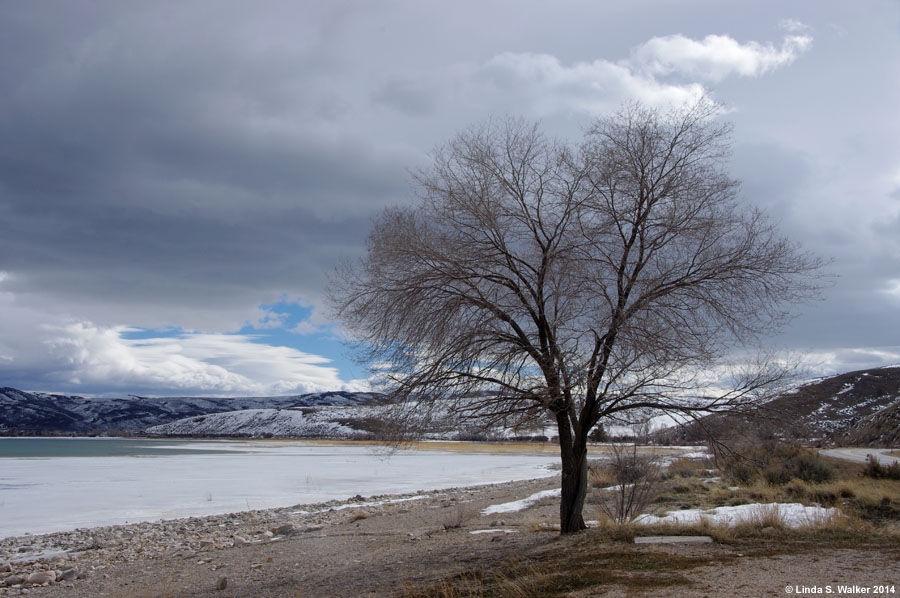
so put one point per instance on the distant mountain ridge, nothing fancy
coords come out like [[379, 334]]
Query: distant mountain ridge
[[860, 408], [26, 412]]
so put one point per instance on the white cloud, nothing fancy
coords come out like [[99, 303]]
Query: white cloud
[[716, 57], [543, 84], [793, 26], [190, 363], [540, 84]]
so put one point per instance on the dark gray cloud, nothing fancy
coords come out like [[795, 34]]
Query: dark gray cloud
[[179, 164], [152, 164]]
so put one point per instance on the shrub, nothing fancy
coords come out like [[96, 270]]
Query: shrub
[[777, 474], [810, 468], [739, 470], [777, 464], [635, 477], [457, 517], [874, 469]]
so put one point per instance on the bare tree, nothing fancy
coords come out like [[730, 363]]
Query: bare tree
[[584, 283]]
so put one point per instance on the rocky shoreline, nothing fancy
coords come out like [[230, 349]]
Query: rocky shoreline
[[63, 558]]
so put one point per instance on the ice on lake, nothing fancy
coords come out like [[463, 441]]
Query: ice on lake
[[40, 495]]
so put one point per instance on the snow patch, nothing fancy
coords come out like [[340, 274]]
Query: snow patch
[[520, 505], [791, 514]]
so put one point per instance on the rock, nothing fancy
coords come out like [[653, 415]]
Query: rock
[[240, 540], [5, 568], [284, 530], [222, 583], [13, 580], [498, 523], [41, 577], [67, 575]]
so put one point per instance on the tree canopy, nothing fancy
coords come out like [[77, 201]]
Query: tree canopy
[[580, 281]]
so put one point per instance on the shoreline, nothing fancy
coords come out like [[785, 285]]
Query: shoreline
[[85, 553]]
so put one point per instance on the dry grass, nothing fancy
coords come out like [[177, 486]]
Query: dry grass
[[873, 500], [585, 563], [869, 515], [687, 468], [534, 524], [600, 477]]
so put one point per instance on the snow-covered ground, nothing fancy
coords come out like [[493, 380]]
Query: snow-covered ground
[[39, 495], [790, 514]]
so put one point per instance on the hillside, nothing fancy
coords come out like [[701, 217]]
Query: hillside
[[880, 429], [832, 407], [860, 408], [25, 412], [255, 423]]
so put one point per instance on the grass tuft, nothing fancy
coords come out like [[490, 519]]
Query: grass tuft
[[458, 516]]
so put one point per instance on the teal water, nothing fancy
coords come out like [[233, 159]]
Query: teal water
[[106, 447]]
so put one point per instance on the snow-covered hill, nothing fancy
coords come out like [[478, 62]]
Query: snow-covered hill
[[856, 408], [22, 411], [259, 423]]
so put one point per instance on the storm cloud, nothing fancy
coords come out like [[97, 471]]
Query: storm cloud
[[176, 165]]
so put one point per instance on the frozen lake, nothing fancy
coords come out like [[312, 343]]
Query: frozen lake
[[46, 487]]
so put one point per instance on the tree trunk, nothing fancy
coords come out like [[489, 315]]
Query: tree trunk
[[573, 452]]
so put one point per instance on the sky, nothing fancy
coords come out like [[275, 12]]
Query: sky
[[178, 179]]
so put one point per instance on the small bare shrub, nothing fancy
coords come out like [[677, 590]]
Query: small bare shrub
[[457, 517], [635, 478]]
